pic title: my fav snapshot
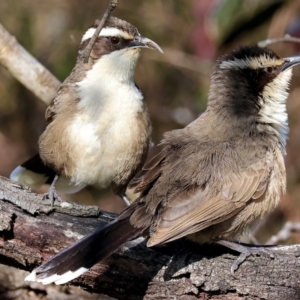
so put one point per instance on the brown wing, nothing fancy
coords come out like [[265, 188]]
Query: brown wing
[[149, 173], [64, 99], [51, 111], [53, 107], [198, 208]]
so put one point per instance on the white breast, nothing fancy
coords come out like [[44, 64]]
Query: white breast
[[104, 130]]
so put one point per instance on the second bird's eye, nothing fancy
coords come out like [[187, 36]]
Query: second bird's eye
[[269, 70], [114, 40]]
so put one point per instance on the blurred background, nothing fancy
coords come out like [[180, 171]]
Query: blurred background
[[193, 33]]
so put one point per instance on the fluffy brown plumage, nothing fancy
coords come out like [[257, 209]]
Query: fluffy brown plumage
[[98, 128], [213, 178]]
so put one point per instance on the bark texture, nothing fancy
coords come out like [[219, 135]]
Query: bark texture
[[30, 233]]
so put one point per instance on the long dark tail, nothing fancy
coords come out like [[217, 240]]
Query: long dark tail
[[82, 255]]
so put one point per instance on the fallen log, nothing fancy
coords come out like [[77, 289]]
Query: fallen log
[[31, 232]]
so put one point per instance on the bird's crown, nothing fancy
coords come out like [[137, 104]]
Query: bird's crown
[[113, 27], [251, 57]]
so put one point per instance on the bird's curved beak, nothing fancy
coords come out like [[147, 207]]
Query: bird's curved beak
[[143, 42], [290, 62]]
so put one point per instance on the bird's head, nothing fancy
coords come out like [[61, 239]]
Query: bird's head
[[253, 82], [117, 46]]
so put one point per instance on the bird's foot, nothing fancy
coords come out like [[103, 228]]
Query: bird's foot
[[52, 195], [245, 251]]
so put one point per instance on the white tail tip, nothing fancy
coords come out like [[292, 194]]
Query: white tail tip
[[57, 279]]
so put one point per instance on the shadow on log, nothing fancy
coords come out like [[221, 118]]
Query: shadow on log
[[30, 233]]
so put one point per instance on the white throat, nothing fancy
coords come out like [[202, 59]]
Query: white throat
[[111, 82], [273, 105], [107, 116]]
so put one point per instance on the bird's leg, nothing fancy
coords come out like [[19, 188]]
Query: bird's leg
[[52, 194], [246, 250]]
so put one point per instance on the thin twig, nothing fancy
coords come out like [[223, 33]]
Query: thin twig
[[183, 60], [284, 234], [285, 39], [86, 53]]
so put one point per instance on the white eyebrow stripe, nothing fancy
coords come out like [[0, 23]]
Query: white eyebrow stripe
[[254, 63], [107, 31], [235, 64]]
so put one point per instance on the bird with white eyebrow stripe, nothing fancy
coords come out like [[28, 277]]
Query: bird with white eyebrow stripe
[[212, 179], [98, 128]]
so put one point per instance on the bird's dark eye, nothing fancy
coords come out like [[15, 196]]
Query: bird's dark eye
[[269, 70], [114, 40]]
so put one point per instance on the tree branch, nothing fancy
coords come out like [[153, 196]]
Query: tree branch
[[25, 68], [285, 39], [31, 233]]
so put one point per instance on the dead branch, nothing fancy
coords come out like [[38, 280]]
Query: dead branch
[[30, 233], [25, 68], [285, 39], [284, 234]]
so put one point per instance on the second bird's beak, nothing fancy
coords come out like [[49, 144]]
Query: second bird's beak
[[143, 42], [290, 62]]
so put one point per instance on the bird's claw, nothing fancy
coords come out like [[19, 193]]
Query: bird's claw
[[52, 195], [245, 251]]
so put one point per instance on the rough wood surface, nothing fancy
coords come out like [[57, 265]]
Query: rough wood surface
[[31, 233]]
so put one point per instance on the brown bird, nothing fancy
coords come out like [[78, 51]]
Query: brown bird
[[213, 178], [98, 128]]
